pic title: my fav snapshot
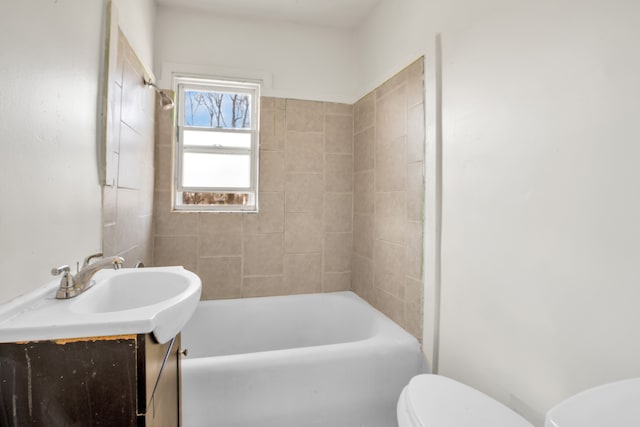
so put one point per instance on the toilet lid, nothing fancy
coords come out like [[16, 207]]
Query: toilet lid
[[436, 401], [613, 404]]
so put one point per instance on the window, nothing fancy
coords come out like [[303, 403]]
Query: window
[[216, 151]]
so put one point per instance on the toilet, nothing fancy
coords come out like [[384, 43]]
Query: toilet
[[614, 404], [436, 401]]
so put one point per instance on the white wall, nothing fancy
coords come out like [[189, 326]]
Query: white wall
[[394, 35], [296, 61], [137, 20], [51, 198], [540, 248]]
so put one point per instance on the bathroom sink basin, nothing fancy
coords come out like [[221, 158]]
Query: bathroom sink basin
[[127, 301], [132, 289]]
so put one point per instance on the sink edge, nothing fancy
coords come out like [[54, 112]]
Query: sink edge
[[92, 325]]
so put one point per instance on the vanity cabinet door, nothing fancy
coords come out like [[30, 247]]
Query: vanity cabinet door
[[121, 381], [82, 382], [162, 383]]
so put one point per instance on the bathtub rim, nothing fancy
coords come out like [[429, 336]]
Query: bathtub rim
[[385, 330]]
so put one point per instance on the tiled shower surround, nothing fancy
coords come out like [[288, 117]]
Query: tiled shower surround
[[300, 241], [127, 209], [340, 193], [388, 193]]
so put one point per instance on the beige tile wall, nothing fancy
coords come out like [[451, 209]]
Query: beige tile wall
[[301, 240], [341, 205], [129, 181], [388, 182]]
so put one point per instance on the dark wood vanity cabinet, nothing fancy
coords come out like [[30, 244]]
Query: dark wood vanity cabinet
[[118, 381]]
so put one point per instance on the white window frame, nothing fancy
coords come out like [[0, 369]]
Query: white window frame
[[251, 87]]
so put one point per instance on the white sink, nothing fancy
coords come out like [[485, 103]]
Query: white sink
[[127, 301]]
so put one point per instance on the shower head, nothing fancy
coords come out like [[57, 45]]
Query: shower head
[[166, 103]]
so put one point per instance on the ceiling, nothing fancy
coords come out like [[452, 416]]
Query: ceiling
[[346, 14]]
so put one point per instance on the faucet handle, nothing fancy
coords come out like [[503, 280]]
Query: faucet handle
[[58, 271], [117, 262], [88, 259]]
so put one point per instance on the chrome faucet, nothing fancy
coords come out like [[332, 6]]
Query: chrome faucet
[[71, 286]]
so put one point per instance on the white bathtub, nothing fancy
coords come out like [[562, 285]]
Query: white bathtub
[[328, 360]]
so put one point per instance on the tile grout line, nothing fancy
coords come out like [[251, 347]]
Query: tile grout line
[[405, 219], [353, 186], [285, 172], [324, 198], [375, 156]]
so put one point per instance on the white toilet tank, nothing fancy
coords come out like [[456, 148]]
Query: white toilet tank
[[615, 404]]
